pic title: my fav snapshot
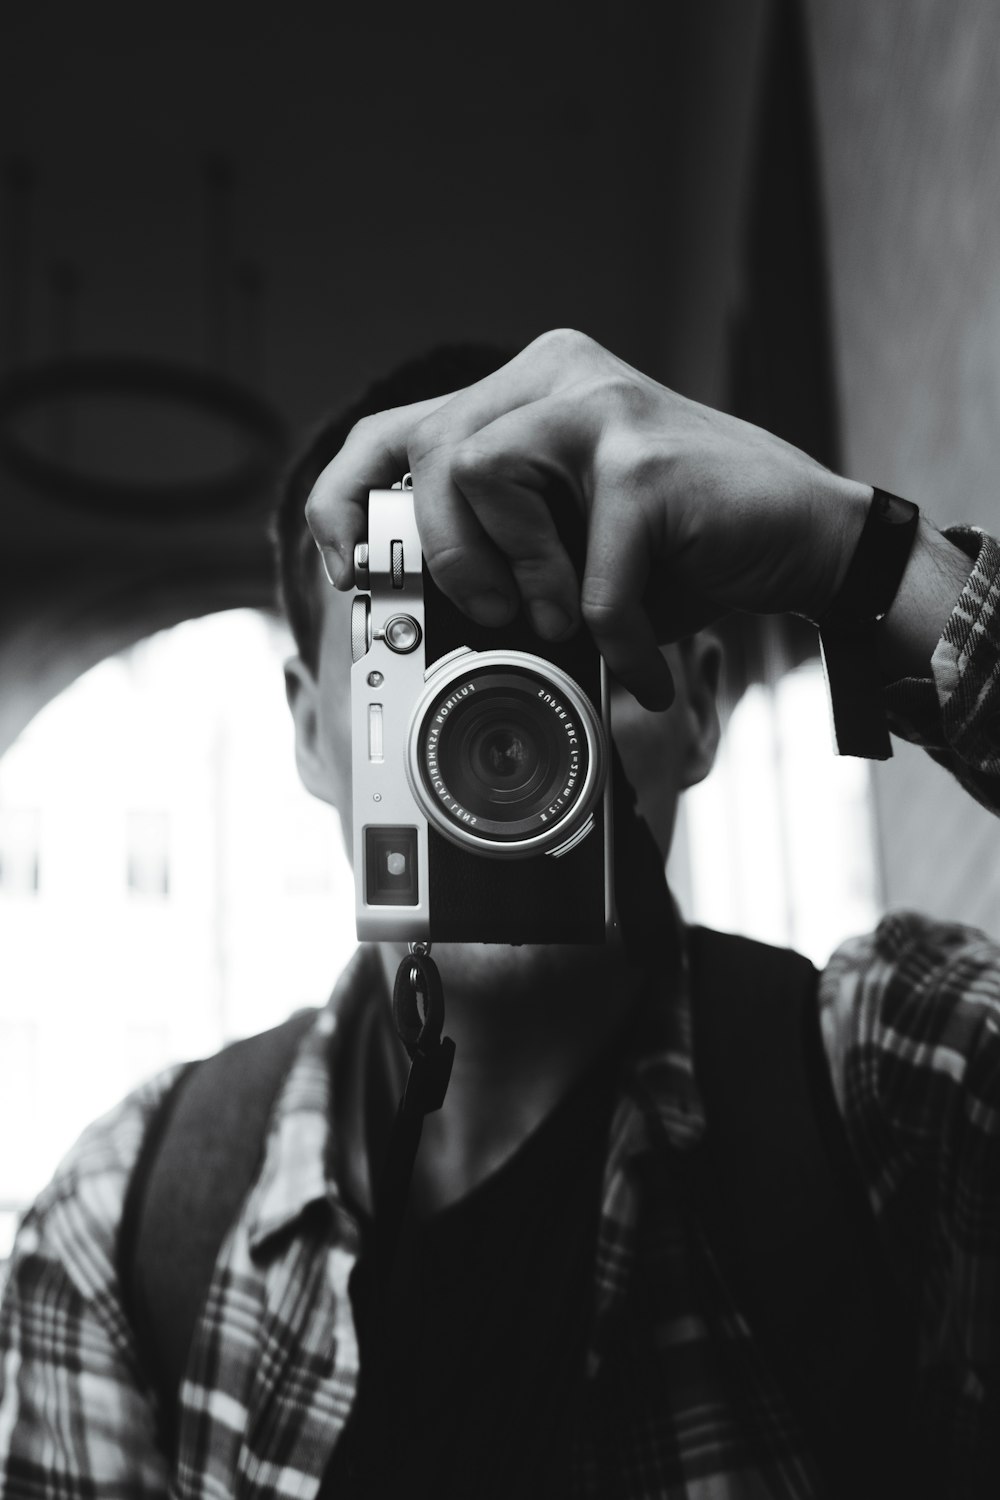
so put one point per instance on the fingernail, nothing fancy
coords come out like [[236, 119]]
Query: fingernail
[[492, 608], [333, 564], [548, 619]]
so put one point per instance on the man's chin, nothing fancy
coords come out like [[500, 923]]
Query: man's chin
[[534, 976], [499, 968]]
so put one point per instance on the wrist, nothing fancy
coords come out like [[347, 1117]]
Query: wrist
[[845, 506], [936, 574]]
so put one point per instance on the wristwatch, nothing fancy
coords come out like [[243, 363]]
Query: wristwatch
[[848, 630]]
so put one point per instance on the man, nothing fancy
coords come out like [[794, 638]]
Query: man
[[558, 1320]]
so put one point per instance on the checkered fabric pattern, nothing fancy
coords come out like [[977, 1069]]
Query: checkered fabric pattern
[[911, 1024]]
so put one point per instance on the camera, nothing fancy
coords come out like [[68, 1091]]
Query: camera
[[480, 761]]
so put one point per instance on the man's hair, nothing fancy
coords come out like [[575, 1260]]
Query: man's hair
[[447, 368]]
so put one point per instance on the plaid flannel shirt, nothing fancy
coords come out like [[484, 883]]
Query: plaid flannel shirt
[[911, 1023]]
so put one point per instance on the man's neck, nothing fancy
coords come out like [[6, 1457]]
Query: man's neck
[[527, 1024]]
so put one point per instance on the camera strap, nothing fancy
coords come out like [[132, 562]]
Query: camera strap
[[418, 1014]]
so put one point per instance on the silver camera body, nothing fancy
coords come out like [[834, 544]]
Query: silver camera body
[[481, 786]]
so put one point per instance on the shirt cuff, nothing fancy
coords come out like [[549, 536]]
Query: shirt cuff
[[956, 711]]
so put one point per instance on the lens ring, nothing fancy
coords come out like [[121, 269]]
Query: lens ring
[[525, 698], [543, 762]]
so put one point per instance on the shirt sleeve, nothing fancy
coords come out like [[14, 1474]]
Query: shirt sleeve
[[911, 1024], [955, 713], [76, 1417]]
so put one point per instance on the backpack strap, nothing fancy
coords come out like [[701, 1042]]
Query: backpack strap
[[782, 1204], [201, 1152]]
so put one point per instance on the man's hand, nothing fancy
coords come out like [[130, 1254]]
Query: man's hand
[[690, 513]]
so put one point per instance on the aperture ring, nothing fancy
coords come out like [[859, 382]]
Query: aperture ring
[[569, 730]]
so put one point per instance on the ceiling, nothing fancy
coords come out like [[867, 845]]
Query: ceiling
[[298, 196], [294, 199]]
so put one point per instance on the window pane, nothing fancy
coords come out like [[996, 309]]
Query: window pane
[[191, 890], [778, 843], [19, 840], [147, 853]]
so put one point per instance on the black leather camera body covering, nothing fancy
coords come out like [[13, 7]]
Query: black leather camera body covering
[[540, 898]]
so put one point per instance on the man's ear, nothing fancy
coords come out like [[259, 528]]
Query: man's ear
[[302, 693], [702, 656]]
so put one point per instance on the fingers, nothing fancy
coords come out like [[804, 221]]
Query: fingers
[[374, 456], [483, 463], [486, 462], [462, 559], [507, 476], [611, 600], [381, 448]]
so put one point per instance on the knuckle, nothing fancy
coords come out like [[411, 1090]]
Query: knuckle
[[538, 569], [598, 604], [623, 390], [619, 392], [570, 340], [634, 470], [363, 431], [479, 461], [472, 461], [317, 511]]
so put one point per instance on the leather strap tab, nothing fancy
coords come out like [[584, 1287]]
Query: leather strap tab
[[848, 631]]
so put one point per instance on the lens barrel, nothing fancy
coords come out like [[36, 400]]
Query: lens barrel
[[506, 753]]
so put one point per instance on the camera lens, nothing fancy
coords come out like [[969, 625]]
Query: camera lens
[[498, 759], [504, 756]]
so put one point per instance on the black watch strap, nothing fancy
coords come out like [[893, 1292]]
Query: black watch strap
[[848, 630]]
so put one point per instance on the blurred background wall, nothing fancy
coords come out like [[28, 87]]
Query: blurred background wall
[[788, 208], [909, 135]]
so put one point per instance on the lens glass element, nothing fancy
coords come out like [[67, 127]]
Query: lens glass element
[[503, 754]]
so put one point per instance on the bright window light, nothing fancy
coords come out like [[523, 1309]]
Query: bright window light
[[778, 842], [165, 882]]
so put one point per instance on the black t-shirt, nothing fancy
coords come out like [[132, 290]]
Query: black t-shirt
[[473, 1390]]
